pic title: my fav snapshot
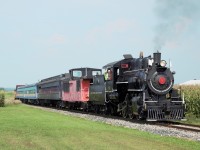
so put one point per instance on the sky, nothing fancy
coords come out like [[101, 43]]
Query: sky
[[44, 38]]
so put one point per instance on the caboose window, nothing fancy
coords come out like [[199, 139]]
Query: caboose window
[[96, 73], [66, 87], [77, 73]]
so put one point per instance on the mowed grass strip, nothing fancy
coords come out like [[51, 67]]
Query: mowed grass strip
[[23, 127]]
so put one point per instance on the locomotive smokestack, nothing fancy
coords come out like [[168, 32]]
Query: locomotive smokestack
[[157, 57]]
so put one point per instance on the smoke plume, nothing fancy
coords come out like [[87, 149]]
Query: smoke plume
[[174, 18]]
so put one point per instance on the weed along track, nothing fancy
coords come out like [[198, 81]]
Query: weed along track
[[152, 127]]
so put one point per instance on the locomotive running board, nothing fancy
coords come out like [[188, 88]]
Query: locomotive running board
[[121, 82], [164, 120], [138, 90]]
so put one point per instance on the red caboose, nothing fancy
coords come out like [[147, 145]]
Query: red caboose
[[76, 87]]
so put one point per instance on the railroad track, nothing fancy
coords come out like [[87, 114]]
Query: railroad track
[[182, 126]]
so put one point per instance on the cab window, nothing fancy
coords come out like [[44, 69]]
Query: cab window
[[77, 73]]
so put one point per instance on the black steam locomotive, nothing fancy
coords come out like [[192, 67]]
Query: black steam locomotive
[[138, 87]]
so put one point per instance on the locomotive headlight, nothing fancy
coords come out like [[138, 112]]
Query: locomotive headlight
[[163, 63]]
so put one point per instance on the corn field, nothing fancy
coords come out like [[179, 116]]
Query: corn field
[[2, 99], [192, 99]]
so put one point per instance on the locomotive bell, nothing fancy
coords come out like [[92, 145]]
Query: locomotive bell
[[157, 57]]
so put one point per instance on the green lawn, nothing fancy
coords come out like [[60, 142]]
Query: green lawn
[[22, 127]]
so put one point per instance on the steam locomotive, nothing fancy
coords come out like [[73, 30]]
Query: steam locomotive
[[132, 87], [140, 87]]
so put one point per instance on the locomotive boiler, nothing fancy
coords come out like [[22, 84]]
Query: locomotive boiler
[[139, 87]]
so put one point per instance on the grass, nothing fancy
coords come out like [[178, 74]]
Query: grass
[[22, 127]]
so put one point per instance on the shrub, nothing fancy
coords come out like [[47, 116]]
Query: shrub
[[10, 98], [2, 99]]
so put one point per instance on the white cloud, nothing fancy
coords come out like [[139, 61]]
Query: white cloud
[[109, 29]]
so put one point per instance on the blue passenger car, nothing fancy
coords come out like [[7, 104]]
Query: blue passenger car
[[27, 93]]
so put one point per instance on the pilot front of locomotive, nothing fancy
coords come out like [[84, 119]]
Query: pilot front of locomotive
[[160, 101]]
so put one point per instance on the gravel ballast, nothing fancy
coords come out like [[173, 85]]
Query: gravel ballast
[[155, 129]]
